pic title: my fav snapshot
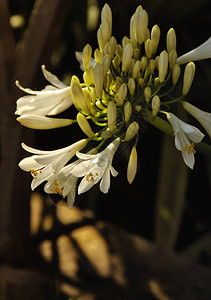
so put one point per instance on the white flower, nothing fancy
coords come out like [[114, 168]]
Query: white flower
[[96, 167], [202, 116], [201, 52], [184, 133], [44, 164], [52, 100]]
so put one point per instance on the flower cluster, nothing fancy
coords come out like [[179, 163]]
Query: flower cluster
[[122, 85]]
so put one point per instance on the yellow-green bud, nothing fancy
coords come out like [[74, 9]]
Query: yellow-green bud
[[107, 80], [151, 66], [98, 55], [98, 79], [107, 49], [131, 131], [156, 81], [106, 64], [107, 14], [88, 76], [147, 35], [127, 55], [141, 24], [125, 41], [171, 40], [138, 108], [175, 73], [147, 93], [136, 68], [131, 85], [127, 111], [163, 65], [78, 96], [155, 105], [188, 77], [88, 98], [111, 115], [144, 62], [119, 50], [133, 30], [116, 62], [113, 44], [172, 58], [122, 93], [100, 39], [84, 125], [106, 32], [141, 81], [132, 165], [155, 37], [74, 79], [86, 55], [131, 65], [148, 48], [136, 53]]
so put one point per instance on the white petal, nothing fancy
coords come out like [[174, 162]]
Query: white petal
[[114, 172], [201, 52], [29, 163], [189, 159], [41, 177], [65, 104], [53, 79], [40, 122], [105, 181]]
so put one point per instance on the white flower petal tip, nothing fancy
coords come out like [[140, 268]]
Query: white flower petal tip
[[203, 117], [42, 123], [201, 52], [184, 133]]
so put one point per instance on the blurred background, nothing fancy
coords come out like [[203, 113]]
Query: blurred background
[[167, 203]]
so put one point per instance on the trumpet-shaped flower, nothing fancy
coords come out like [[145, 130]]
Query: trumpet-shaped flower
[[201, 52], [52, 100], [96, 167], [184, 133], [203, 117], [44, 164]]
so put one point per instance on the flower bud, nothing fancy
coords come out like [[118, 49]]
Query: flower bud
[[148, 48], [125, 41], [132, 165], [151, 66], [74, 79], [171, 40], [122, 93], [84, 125], [131, 85], [172, 58], [106, 64], [127, 55], [144, 62], [188, 77], [175, 73], [116, 62], [141, 24], [98, 79], [136, 53], [163, 65], [147, 93], [136, 68], [131, 131], [78, 96], [111, 115], [88, 76], [155, 105], [88, 98], [141, 81], [107, 14], [87, 53], [98, 55], [155, 37], [127, 111]]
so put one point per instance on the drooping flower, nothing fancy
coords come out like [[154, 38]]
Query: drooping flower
[[52, 100], [96, 167], [203, 117], [184, 133], [43, 164], [201, 52]]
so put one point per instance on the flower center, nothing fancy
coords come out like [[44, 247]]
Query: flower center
[[56, 189], [34, 173], [190, 148], [91, 177]]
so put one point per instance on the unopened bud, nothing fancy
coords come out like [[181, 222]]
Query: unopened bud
[[74, 79], [171, 40], [131, 131], [106, 64], [78, 96], [131, 85], [175, 73], [136, 53], [107, 81], [98, 79], [136, 68], [107, 14], [98, 55], [141, 81], [122, 93], [127, 111], [147, 93], [116, 62], [111, 115], [151, 66], [141, 26], [155, 105], [84, 125], [148, 48], [155, 37], [172, 58], [88, 76], [87, 53], [163, 65], [132, 165], [188, 77], [127, 55], [144, 62]]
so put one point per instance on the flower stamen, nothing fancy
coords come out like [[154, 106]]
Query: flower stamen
[[190, 148]]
